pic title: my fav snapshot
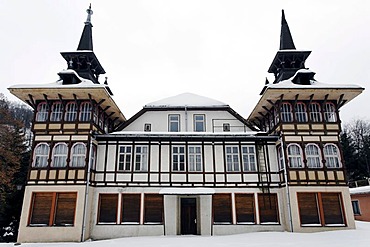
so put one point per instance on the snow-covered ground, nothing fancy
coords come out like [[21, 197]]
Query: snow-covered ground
[[356, 238]]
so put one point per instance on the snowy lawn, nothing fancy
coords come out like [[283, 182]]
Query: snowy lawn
[[356, 238]]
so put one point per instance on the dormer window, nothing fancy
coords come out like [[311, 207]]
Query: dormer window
[[174, 123], [199, 123]]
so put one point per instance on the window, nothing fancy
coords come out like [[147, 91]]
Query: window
[[56, 112], [281, 158], [232, 158], [153, 208], [356, 207], [313, 156], [315, 112], [131, 208], [78, 155], [178, 158], [124, 162], [195, 158], [41, 155], [331, 154], [222, 208], [141, 158], [268, 209], [147, 127], [329, 113], [85, 111], [174, 123], [199, 123], [300, 112], [42, 112], [314, 205], [245, 212], [226, 127], [108, 206], [93, 157], [294, 156], [60, 155], [286, 112], [71, 112], [249, 158], [53, 209]]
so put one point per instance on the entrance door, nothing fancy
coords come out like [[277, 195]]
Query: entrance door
[[188, 216]]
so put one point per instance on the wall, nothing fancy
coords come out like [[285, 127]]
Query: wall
[[364, 203]]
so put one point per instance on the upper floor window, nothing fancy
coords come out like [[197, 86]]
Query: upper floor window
[[300, 112], [294, 156], [56, 112], [313, 156], [124, 162], [315, 112], [60, 155], [329, 113], [141, 158], [281, 158], [174, 123], [147, 127], [85, 111], [232, 158], [249, 158], [93, 157], [226, 127], [41, 155], [178, 158], [42, 112], [199, 123], [195, 158], [71, 112], [331, 154], [286, 112], [78, 155]]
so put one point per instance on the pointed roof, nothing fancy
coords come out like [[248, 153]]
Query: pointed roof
[[286, 40], [186, 100], [86, 42]]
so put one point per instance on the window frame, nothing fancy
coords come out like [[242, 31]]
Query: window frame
[[300, 112], [85, 112], [330, 115], [44, 157], [141, 164], [176, 122], [197, 121], [56, 113], [268, 211], [110, 206], [286, 112], [222, 209], [232, 165], [59, 155], [297, 158], [70, 114], [42, 113], [328, 157], [133, 201], [356, 207], [78, 156], [226, 127], [125, 158], [316, 157], [153, 203], [251, 157], [178, 158], [315, 112], [195, 158]]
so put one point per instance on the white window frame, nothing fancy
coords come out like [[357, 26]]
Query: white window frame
[[85, 111], [42, 112], [59, 158], [41, 155], [125, 158], [286, 112], [195, 158], [300, 112], [141, 158], [294, 156], [332, 156], [93, 157], [201, 120], [232, 158], [175, 122], [78, 155], [281, 158], [178, 158], [249, 158], [315, 112], [313, 157], [71, 112], [56, 112], [330, 113]]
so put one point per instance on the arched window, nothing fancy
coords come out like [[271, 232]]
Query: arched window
[[300, 112], [78, 155], [42, 112], [41, 155], [56, 112], [313, 156], [85, 111], [331, 154], [286, 112], [329, 113], [295, 156], [71, 112], [315, 112], [60, 152]]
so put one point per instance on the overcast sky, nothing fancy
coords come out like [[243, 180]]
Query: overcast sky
[[218, 49]]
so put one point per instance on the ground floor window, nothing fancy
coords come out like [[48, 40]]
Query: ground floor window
[[268, 208], [356, 207], [108, 206], [153, 208], [222, 208], [131, 208], [245, 212], [322, 209], [53, 209]]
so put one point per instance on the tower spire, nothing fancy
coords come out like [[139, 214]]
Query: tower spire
[[86, 37], [286, 40]]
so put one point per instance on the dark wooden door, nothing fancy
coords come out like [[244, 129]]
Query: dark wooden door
[[188, 216]]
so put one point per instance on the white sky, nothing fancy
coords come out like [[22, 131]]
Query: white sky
[[218, 49]]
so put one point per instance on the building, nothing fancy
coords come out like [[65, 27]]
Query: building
[[186, 164], [360, 197]]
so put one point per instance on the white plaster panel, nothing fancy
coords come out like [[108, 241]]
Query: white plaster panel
[[195, 178], [42, 138], [220, 178], [234, 178], [208, 158], [111, 158], [154, 158], [165, 162], [125, 177], [100, 158], [140, 177], [219, 158], [178, 178]]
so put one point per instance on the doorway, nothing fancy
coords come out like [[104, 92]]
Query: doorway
[[188, 216]]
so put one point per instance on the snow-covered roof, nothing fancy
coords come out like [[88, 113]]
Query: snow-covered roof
[[360, 190], [145, 133], [186, 99]]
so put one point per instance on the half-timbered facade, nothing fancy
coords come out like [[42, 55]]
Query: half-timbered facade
[[185, 164]]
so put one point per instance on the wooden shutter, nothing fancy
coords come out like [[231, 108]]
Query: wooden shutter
[[308, 208], [131, 208], [222, 208], [41, 209], [245, 208], [108, 204], [65, 209], [153, 208], [331, 203], [267, 204]]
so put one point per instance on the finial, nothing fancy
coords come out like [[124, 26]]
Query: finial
[[267, 81], [106, 81], [89, 13]]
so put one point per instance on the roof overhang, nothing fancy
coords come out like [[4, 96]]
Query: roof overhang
[[283, 55]]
